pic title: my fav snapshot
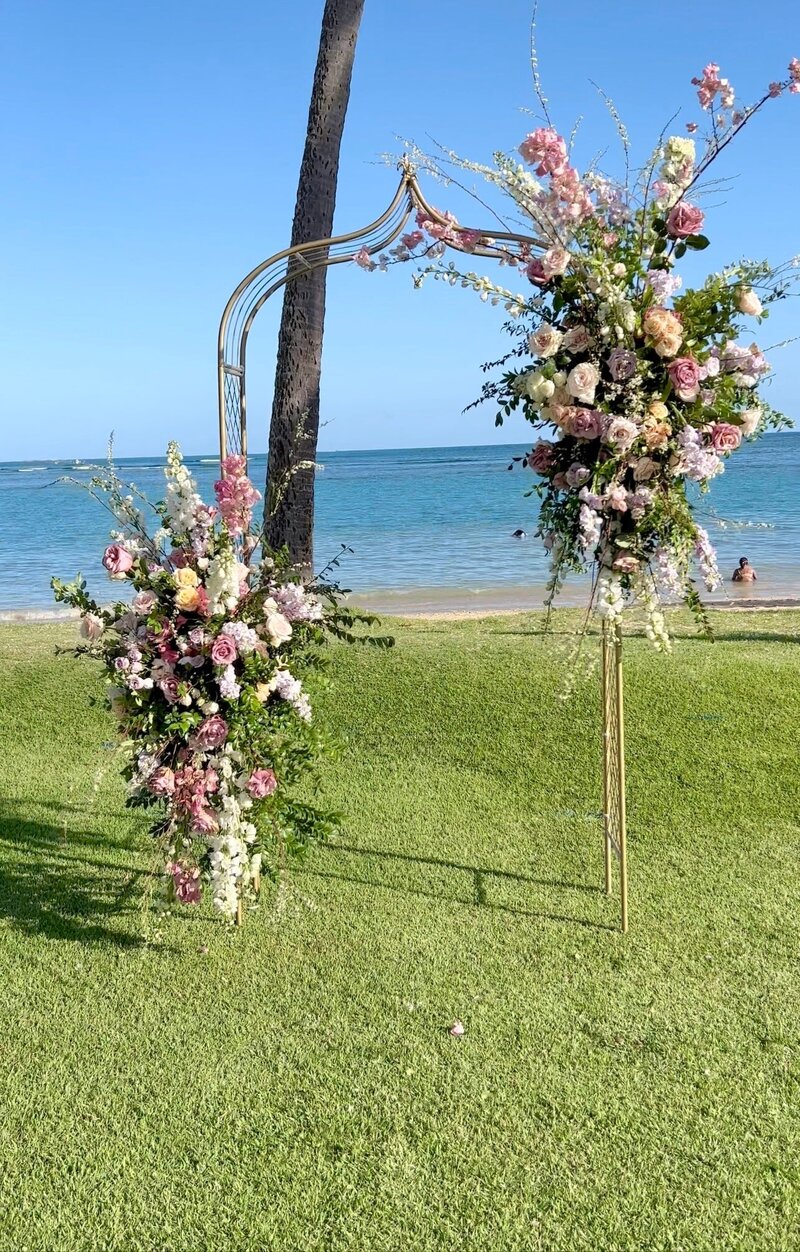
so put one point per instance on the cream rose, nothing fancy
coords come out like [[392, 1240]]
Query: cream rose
[[620, 433], [751, 419], [185, 577], [582, 381], [545, 340], [748, 302], [577, 340], [555, 261]]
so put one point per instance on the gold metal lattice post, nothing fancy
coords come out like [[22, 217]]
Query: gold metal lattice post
[[614, 821]]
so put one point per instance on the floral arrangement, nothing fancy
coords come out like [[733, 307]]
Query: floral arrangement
[[205, 666], [638, 385]]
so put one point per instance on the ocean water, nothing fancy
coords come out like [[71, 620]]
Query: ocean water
[[429, 527]]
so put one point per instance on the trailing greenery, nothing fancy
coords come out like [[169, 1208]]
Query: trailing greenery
[[176, 1085]]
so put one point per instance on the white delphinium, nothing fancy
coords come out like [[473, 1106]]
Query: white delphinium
[[610, 597], [655, 627], [222, 582], [667, 573], [590, 523], [182, 499], [707, 560]]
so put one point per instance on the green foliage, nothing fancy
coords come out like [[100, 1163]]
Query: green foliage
[[293, 1085]]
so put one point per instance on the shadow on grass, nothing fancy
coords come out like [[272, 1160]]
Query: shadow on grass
[[44, 891], [480, 876]]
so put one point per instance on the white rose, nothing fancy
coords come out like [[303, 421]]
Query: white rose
[[545, 340], [582, 381], [537, 387], [750, 421], [278, 628], [749, 302], [91, 627]]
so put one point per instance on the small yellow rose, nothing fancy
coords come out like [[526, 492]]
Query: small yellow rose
[[187, 597], [263, 691], [186, 577], [659, 411]]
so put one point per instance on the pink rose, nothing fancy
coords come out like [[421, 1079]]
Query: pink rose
[[261, 783], [555, 262], [209, 734], [204, 822], [584, 423], [91, 627], [162, 782], [684, 220], [541, 459], [223, 650], [536, 272], [185, 881], [684, 374], [144, 602], [117, 560], [724, 437]]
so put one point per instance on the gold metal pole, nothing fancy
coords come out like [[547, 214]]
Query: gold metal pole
[[606, 662], [620, 749], [614, 814]]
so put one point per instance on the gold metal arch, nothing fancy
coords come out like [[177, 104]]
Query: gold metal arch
[[271, 275], [235, 325]]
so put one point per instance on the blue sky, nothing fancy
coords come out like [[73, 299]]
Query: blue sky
[[151, 159]]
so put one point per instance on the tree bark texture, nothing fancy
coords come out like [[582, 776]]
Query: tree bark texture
[[294, 427]]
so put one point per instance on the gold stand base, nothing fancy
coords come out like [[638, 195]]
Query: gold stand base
[[614, 818]]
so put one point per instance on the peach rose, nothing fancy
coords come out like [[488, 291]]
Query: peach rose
[[663, 330], [187, 598]]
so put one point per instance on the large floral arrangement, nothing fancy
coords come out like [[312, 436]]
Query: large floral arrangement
[[638, 385], [205, 666]]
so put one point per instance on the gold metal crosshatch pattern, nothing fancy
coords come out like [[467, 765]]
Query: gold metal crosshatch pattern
[[237, 319], [614, 817]]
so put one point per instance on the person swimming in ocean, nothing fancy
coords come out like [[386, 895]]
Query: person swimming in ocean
[[518, 534], [744, 572]]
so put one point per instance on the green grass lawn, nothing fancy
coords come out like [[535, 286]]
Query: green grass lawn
[[293, 1086]]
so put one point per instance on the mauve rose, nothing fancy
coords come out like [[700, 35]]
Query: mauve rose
[[536, 272], [617, 498], [169, 689], [117, 560], [209, 734], [621, 364], [560, 481], [584, 423], [724, 437], [577, 474], [644, 469], [162, 782], [684, 374], [541, 459], [684, 220], [91, 627], [261, 783], [223, 650]]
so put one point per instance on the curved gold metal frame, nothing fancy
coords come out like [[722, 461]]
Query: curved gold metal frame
[[235, 325], [271, 275]]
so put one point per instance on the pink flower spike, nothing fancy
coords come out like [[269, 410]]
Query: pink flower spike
[[775, 90]]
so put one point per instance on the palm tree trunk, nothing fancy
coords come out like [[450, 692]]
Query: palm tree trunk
[[289, 498]]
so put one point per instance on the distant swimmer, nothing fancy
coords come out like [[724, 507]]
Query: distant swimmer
[[519, 534], [744, 573]]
